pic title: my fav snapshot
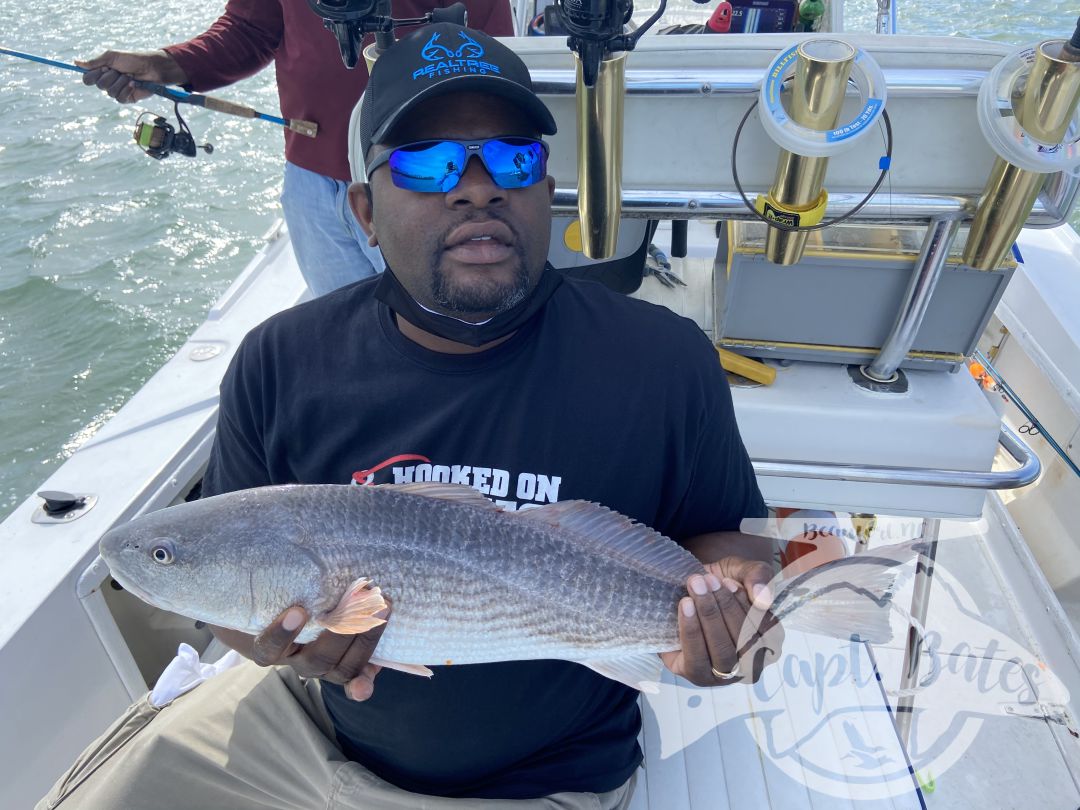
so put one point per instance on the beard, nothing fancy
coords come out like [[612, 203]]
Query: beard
[[481, 294]]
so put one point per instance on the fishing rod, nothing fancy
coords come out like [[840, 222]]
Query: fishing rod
[[160, 139]]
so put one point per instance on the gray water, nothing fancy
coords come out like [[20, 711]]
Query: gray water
[[109, 259]]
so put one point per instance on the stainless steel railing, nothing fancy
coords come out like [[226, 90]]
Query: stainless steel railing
[[924, 278], [1026, 473], [894, 208]]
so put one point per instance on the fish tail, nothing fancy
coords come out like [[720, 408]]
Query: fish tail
[[850, 598]]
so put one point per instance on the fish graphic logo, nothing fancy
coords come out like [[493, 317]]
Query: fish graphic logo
[[433, 52], [823, 712]]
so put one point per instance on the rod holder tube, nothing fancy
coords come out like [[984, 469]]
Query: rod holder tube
[[815, 100], [600, 149], [1050, 94], [371, 53], [924, 278], [1007, 199], [1044, 109], [797, 177]]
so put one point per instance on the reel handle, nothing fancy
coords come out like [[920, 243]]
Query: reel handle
[[456, 13]]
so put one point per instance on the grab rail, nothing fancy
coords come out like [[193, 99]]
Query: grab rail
[[746, 81], [892, 208], [924, 279], [1026, 473]]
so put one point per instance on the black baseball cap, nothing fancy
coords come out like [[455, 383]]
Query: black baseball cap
[[435, 60]]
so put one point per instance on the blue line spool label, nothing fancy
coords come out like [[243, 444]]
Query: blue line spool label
[[865, 75]]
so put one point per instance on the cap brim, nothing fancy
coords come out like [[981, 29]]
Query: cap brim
[[532, 106]]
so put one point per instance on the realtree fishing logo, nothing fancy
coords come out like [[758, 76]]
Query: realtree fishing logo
[[446, 61], [824, 711]]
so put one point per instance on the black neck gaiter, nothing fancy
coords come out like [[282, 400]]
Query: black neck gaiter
[[391, 292]]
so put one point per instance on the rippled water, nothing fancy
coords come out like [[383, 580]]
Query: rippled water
[[108, 259]]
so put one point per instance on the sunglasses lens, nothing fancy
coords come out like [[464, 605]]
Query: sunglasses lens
[[429, 166], [515, 162], [436, 166]]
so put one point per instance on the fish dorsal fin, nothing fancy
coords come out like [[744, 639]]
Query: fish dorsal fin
[[618, 535], [355, 613], [459, 493], [640, 671]]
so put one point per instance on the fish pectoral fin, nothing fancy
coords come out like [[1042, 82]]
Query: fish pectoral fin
[[408, 669], [355, 613], [641, 671]]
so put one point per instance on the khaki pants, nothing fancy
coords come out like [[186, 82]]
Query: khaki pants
[[251, 738]]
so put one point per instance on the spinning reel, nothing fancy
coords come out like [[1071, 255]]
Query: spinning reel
[[351, 20], [596, 28], [159, 139]]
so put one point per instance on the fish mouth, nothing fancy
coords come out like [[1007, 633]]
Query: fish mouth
[[134, 589]]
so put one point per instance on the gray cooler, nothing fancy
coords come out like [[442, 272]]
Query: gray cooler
[[839, 303]]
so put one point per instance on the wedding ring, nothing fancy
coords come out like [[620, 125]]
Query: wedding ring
[[724, 675]]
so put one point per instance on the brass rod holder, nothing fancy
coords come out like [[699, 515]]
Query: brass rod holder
[[371, 53], [1050, 93], [1044, 108], [600, 148], [815, 100], [1006, 201]]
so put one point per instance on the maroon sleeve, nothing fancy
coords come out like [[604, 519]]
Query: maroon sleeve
[[242, 42], [491, 16]]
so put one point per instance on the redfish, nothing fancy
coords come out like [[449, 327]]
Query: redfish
[[469, 582]]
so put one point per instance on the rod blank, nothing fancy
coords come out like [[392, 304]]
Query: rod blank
[[307, 128]]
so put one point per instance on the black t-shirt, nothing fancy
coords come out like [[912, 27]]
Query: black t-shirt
[[598, 397]]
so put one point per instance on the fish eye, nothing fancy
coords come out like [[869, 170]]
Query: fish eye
[[163, 552]]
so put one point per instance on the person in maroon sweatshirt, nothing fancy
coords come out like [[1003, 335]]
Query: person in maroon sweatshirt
[[313, 85]]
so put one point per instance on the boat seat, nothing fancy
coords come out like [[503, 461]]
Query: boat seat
[[623, 272]]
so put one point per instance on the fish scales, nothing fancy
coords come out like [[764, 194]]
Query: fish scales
[[469, 582], [484, 561], [556, 604]]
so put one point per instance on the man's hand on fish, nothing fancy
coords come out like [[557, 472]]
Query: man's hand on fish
[[341, 659], [725, 637]]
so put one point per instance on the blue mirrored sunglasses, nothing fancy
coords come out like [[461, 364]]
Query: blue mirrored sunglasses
[[437, 166]]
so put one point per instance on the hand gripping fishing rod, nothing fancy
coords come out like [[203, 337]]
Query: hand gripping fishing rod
[[179, 96]]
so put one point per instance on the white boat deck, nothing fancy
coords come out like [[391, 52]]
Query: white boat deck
[[723, 766], [785, 744], [975, 740], [982, 725]]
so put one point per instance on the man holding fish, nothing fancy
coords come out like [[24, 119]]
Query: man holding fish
[[469, 361]]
